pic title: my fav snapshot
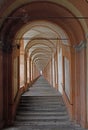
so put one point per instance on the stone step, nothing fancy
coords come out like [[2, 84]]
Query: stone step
[[47, 117], [41, 97], [45, 127], [41, 123], [27, 113], [40, 101], [42, 108], [46, 101], [42, 104]]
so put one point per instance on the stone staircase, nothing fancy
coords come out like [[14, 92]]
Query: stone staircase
[[42, 108]]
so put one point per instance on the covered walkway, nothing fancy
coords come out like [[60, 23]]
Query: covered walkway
[[42, 108], [49, 38]]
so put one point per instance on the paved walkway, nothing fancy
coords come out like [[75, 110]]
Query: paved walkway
[[42, 108]]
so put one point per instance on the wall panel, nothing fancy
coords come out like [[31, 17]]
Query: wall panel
[[67, 77]]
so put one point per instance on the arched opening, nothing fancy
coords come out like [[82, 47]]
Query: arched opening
[[44, 40]]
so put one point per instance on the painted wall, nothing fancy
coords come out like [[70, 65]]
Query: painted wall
[[60, 71], [15, 76], [47, 72], [87, 79], [21, 70], [28, 70], [1, 90], [67, 77], [83, 86], [53, 70]]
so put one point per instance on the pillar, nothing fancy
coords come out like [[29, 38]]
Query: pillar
[[30, 69], [60, 71], [22, 69], [27, 69], [7, 83], [87, 79], [80, 86], [53, 71], [1, 88]]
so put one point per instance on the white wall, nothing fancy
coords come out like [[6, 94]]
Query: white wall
[[87, 78], [27, 70], [15, 76], [53, 71], [67, 76], [21, 70], [60, 71]]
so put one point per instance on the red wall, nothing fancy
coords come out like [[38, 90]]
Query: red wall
[[1, 90]]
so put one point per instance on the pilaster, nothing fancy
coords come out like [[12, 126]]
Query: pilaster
[[80, 86], [8, 101], [1, 88]]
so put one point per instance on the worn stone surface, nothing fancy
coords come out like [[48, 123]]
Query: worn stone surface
[[42, 108]]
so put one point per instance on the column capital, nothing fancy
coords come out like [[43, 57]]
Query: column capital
[[80, 46], [8, 47], [1, 45]]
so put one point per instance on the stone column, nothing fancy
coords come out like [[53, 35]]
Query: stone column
[[25, 68], [7, 83], [1, 87], [29, 69], [87, 78], [53, 71], [80, 84]]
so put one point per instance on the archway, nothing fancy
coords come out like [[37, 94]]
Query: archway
[[71, 53]]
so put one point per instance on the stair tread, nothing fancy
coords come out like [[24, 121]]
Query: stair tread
[[42, 108]]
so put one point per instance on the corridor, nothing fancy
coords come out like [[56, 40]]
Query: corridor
[[49, 38], [41, 107]]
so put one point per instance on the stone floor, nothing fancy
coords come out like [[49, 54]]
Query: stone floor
[[42, 108]]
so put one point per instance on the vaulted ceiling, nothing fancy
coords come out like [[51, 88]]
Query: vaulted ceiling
[[40, 41], [42, 25]]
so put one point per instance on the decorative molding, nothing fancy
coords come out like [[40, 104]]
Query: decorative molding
[[1, 45], [81, 46], [86, 1], [8, 47]]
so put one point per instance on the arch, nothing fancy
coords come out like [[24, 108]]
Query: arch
[[44, 43], [56, 31], [66, 27], [16, 4], [40, 50], [58, 10]]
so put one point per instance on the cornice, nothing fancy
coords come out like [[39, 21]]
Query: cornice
[[81, 46], [8, 47]]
